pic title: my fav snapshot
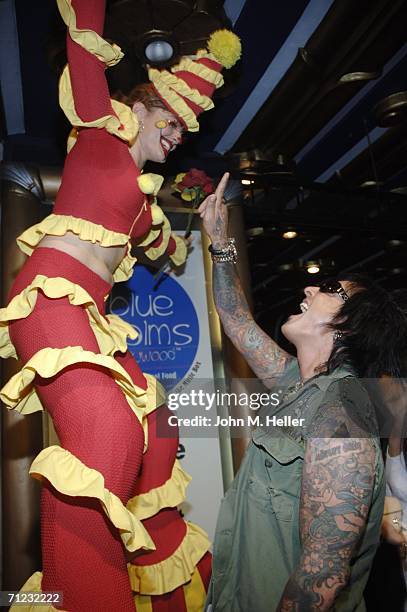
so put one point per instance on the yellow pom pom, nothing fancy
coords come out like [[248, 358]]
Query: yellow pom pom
[[146, 183], [225, 46], [150, 183]]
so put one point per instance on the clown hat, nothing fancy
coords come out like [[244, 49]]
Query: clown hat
[[188, 87]]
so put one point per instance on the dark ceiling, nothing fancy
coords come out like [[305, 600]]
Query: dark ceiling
[[309, 115]]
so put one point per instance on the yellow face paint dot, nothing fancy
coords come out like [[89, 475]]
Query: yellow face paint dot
[[161, 124]]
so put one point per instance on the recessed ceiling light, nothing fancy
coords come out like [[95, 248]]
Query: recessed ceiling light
[[371, 184], [290, 235], [255, 231], [285, 267], [312, 268]]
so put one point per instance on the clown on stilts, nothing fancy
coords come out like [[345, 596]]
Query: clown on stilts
[[113, 483]]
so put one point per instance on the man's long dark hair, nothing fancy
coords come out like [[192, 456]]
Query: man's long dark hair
[[371, 337], [371, 330]]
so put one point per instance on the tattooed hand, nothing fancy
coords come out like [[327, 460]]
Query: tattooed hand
[[263, 355], [214, 215]]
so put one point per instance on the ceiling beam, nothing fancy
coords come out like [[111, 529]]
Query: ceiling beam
[[233, 8], [345, 110], [343, 161], [303, 29], [10, 72]]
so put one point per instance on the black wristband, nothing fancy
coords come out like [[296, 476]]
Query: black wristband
[[227, 254], [216, 251]]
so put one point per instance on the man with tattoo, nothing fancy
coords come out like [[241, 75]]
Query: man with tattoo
[[299, 526]]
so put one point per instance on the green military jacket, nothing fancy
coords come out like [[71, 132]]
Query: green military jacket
[[257, 542]]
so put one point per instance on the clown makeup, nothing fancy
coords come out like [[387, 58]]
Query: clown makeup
[[162, 133], [171, 131]]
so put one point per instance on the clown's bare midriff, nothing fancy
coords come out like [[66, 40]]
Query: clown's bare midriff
[[101, 260]]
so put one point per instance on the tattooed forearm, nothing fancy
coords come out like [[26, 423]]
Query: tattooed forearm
[[263, 355], [336, 494]]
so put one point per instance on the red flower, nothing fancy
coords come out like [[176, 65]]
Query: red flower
[[196, 178], [208, 188]]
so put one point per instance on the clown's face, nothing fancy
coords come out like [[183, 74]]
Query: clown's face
[[160, 132]]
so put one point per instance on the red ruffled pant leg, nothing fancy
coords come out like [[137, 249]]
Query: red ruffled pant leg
[[83, 554], [167, 528]]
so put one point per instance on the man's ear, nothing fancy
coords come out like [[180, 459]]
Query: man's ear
[[140, 110]]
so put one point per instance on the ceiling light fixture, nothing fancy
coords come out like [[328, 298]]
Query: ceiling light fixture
[[158, 51], [289, 235], [312, 267], [247, 182], [255, 231], [158, 48]]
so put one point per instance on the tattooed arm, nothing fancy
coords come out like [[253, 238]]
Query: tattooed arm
[[336, 492], [264, 356]]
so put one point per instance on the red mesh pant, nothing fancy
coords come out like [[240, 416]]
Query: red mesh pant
[[167, 528], [82, 552]]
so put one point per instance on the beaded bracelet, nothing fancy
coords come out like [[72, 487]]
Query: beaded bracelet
[[228, 254]]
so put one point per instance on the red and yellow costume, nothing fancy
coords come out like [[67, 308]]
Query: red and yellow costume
[[113, 480]]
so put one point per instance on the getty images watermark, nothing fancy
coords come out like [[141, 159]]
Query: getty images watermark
[[203, 408], [209, 402]]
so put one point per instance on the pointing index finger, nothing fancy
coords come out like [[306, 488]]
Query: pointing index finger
[[220, 189]]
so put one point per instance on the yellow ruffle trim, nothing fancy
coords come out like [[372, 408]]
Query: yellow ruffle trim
[[157, 214], [19, 392], [33, 585], [152, 235], [70, 476], [181, 87], [123, 123], [168, 495], [158, 219], [181, 251], [111, 331], [176, 85], [59, 225], [154, 253], [125, 269], [194, 595], [173, 572], [175, 102], [88, 39], [126, 129], [200, 70]]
